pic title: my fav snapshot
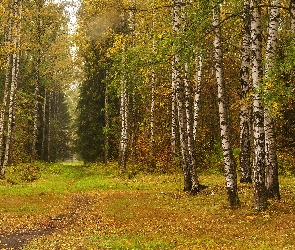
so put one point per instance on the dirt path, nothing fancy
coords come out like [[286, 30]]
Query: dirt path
[[19, 238]]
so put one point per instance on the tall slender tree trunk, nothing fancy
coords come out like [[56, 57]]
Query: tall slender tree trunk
[[107, 119], [260, 193], [13, 87], [124, 127], [152, 109], [49, 126], [189, 126], [245, 110], [197, 94], [272, 179], [153, 82], [180, 86], [173, 116], [292, 15], [124, 99], [6, 87], [44, 126], [228, 157], [37, 83]]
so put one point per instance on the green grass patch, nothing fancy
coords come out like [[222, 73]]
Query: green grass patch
[[95, 207]]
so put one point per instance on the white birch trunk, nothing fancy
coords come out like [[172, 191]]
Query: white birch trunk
[[49, 126], [6, 88], [124, 101], [183, 96], [189, 129], [260, 194], [228, 158], [152, 109], [35, 120], [124, 127], [178, 89], [107, 119], [37, 84], [153, 82], [44, 126], [13, 86], [182, 123], [272, 182], [245, 110], [173, 116], [197, 95]]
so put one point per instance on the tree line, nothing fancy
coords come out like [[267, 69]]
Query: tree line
[[188, 83], [35, 72]]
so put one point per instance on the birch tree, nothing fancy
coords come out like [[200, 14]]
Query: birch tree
[[124, 96], [245, 110], [44, 113], [272, 182], [6, 83], [228, 157], [197, 94], [260, 193], [107, 118], [184, 116], [37, 78], [17, 8]]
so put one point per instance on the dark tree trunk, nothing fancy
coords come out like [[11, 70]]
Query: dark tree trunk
[[245, 111]]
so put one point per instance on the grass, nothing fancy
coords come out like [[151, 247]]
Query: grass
[[95, 207]]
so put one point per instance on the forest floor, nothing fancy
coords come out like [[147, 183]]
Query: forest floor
[[94, 207]]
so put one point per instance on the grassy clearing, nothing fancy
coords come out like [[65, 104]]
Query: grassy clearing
[[95, 208]]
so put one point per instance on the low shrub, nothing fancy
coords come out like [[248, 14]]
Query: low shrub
[[23, 173]]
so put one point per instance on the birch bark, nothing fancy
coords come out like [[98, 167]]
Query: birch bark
[[6, 86], [173, 116], [107, 119], [124, 101], [197, 94], [272, 179], [184, 107], [153, 82], [13, 87], [37, 82], [124, 127], [49, 126], [245, 110], [228, 158], [260, 194], [44, 126]]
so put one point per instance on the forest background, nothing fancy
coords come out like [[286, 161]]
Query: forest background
[[155, 83]]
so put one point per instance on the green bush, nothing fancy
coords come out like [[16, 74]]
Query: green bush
[[286, 163], [23, 173]]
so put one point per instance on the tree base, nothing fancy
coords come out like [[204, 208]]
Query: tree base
[[197, 189], [233, 198], [261, 204], [273, 194]]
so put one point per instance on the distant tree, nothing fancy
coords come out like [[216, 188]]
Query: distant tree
[[91, 119]]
